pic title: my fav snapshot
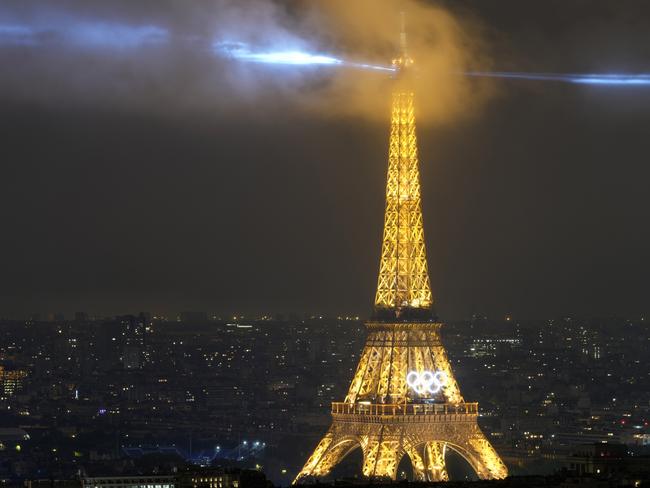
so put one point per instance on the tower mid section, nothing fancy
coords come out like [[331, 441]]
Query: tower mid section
[[403, 399]]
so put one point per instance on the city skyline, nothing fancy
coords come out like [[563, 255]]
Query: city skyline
[[569, 383], [197, 290]]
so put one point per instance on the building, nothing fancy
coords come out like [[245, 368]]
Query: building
[[605, 461], [193, 478], [223, 478], [133, 330], [11, 381], [168, 481], [12, 438]]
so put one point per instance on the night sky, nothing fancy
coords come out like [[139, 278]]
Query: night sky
[[137, 179]]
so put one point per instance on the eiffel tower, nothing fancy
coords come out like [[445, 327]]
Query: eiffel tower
[[403, 399]]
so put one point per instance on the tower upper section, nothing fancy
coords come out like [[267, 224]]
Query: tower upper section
[[403, 288], [403, 284]]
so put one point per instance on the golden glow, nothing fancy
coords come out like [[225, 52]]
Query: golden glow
[[380, 416], [386, 433], [390, 353], [436, 469], [403, 275]]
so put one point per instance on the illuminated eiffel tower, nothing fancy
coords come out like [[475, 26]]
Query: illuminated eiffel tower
[[404, 399]]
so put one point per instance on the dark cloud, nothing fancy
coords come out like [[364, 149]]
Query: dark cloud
[[89, 52], [161, 177]]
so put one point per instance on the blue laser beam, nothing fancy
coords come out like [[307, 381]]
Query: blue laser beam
[[241, 52], [84, 34], [281, 57], [574, 78], [16, 35], [116, 35], [87, 34]]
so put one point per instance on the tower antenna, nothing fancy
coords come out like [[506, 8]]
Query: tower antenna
[[402, 36], [403, 60]]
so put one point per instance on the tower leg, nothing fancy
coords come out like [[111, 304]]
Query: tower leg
[[381, 454], [428, 461], [488, 462], [417, 462], [330, 451], [434, 455]]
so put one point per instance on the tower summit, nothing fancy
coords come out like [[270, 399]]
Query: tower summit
[[404, 399], [404, 60]]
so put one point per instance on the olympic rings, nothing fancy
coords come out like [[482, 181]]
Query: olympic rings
[[426, 382]]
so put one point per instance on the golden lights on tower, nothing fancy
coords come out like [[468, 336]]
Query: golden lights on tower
[[403, 399], [403, 275]]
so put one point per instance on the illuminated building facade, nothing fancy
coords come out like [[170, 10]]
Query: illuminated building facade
[[220, 478], [134, 331], [130, 482], [11, 381], [403, 399], [192, 478]]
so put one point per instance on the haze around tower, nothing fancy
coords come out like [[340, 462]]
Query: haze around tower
[[129, 54]]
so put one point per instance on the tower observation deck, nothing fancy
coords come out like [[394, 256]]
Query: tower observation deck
[[403, 398]]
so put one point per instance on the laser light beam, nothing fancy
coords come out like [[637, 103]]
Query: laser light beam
[[241, 52], [582, 79]]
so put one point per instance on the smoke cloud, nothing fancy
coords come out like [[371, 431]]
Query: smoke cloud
[[442, 46], [158, 55]]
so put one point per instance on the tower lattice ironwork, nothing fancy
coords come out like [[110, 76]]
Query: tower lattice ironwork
[[404, 399]]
